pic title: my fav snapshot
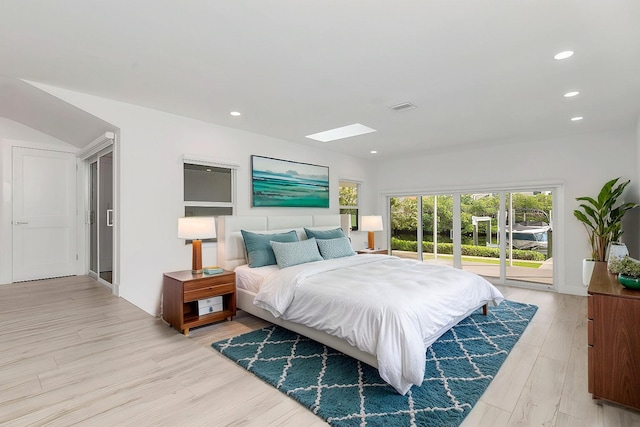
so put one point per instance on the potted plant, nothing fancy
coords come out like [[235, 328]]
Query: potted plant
[[628, 270], [602, 219]]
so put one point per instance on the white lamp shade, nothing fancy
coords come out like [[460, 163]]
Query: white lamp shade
[[196, 227], [371, 223]]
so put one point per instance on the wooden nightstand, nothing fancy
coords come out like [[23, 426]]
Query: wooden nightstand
[[181, 291], [373, 251]]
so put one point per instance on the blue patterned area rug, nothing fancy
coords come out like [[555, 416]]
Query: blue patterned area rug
[[346, 392]]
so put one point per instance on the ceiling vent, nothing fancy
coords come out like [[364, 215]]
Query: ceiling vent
[[403, 107]]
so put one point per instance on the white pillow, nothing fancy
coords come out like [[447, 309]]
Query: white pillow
[[335, 248], [294, 253]]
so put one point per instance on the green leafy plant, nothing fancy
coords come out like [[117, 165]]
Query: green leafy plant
[[467, 250], [602, 218], [627, 266]]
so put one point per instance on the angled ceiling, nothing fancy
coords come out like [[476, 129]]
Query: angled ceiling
[[23, 103], [479, 72]]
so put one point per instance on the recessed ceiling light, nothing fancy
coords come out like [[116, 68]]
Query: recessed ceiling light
[[341, 132], [575, 119], [235, 113], [403, 107], [571, 94], [563, 55], [374, 151]]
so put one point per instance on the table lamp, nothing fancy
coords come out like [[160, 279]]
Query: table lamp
[[371, 223], [196, 228]]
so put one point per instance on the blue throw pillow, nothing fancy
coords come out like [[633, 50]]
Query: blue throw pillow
[[259, 252], [324, 234], [290, 254], [335, 248]]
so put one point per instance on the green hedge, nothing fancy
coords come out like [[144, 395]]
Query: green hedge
[[469, 250]]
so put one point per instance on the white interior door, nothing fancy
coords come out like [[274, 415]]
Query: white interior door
[[44, 214]]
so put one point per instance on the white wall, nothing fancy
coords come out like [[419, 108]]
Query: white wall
[[14, 134], [581, 163], [150, 151], [631, 223]]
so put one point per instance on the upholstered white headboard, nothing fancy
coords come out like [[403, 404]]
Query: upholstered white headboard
[[231, 252]]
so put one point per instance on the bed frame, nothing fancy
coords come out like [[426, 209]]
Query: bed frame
[[231, 254]]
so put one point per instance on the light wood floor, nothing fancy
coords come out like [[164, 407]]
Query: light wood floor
[[73, 354]]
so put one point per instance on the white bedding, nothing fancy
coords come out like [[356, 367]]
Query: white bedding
[[252, 279], [386, 306]]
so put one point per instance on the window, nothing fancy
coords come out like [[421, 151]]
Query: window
[[209, 189], [348, 201]]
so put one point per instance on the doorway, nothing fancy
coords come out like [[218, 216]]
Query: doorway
[[101, 217]]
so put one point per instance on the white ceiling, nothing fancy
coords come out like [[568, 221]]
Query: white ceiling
[[480, 72]]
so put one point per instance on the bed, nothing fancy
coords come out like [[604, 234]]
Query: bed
[[382, 310]]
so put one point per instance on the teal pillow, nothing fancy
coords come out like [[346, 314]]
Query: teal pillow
[[335, 248], [324, 234], [259, 252], [290, 254]]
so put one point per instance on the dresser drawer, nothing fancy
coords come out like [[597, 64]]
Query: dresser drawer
[[589, 307], [590, 332], [591, 370]]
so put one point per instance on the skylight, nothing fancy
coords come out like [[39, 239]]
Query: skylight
[[341, 133]]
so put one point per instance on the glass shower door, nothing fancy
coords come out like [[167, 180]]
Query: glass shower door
[[101, 218]]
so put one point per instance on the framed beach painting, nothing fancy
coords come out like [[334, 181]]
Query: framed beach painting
[[284, 183]]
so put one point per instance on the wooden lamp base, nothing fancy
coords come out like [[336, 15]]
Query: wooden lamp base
[[371, 240], [196, 261]]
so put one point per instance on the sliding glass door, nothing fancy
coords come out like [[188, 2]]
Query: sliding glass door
[[479, 214], [101, 217], [437, 226], [506, 236], [529, 237], [405, 229]]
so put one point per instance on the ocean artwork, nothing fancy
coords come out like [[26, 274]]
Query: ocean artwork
[[285, 183]]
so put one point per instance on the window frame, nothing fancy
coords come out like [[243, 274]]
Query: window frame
[[358, 186], [201, 161]]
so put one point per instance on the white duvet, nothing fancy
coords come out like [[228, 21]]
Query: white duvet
[[389, 307]]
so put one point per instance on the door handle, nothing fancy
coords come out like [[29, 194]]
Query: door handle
[[109, 217], [21, 222]]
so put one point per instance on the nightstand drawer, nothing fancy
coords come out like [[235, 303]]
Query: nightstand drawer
[[209, 282], [208, 292]]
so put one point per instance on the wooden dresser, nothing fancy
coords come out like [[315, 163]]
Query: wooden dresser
[[614, 339]]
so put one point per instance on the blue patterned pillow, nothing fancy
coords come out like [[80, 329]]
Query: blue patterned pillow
[[290, 254], [324, 234], [335, 248], [259, 252]]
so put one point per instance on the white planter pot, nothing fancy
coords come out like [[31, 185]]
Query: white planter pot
[[587, 270]]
